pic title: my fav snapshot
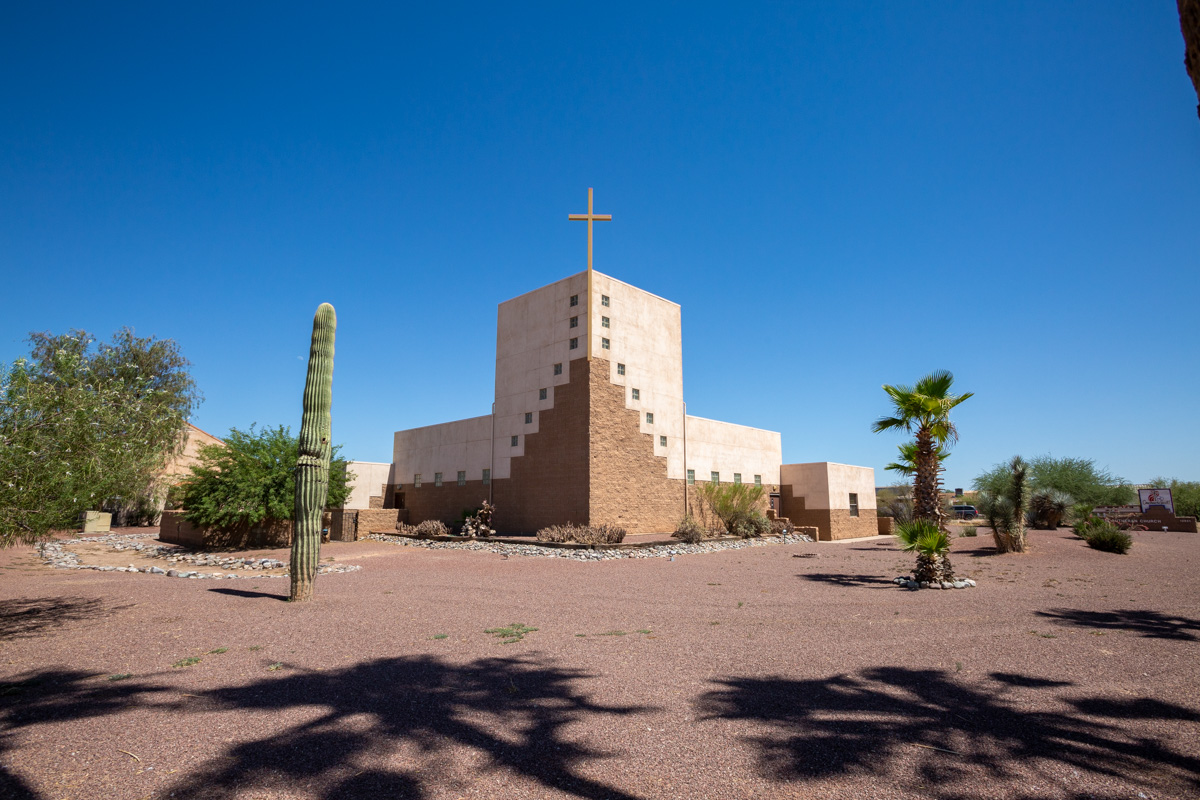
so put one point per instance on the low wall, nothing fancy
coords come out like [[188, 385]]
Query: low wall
[[174, 529], [887, 525]]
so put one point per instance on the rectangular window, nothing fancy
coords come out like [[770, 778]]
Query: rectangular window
[[635, 394], [715, 477], [541, 394], [691, 477], [574, 322], [558, 369], [462, 478], [853, 505], [737, 478], [604, 344], [604, 322], [514, 441], [528, 417], [417, 481], [604, 300], [574, 299], [620, 369], [575, 344], [649, 418], [758, 480], [437, 479], [662, 441], [487, 477]]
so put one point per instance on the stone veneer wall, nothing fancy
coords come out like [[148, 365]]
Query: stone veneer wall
[[833, 523], [445, 502]]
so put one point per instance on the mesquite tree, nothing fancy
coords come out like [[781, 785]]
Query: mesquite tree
[[312, 468], [926, 408]]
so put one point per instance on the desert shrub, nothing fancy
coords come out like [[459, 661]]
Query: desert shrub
[[1110, 539], [479, 522], [779, 527], [1048, 508], [1004, 505], [969, 531], [931, 544], [1078, 513], [748, 524], [726, 500], [689, 530], [1085, 527], [430, 528], [583, 534]]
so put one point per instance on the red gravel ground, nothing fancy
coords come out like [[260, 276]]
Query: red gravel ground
[[742, 674]]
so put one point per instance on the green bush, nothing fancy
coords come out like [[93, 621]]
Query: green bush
[[1110, 539], [729, 500], [689, 530], [748, 524], [969, 531]]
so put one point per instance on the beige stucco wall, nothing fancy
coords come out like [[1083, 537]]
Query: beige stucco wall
[[828, 485], [446, 448], [180, 466], [369, 479], [728, 449]]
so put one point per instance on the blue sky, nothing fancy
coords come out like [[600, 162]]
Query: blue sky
[[839, 196]]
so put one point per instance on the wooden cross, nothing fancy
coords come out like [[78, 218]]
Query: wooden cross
[[589, 217]]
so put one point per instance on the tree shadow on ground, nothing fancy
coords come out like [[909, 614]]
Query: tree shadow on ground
[[23, 617], [1151, 624], [841, 579], [250, 594], [924, 729], [355, 725]]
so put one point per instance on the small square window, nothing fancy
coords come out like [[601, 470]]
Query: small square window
[[691, 477], [635, 394], [715, 477], [649, 418], [437, 479], [604, 300], [462, 478], [574, 322], [514, 441], [417, 481], [853, 505], [604, 322], [737, 478], [487, 477], [574, 299], [558, 369], [604, 344], [620, 369], [758, 480], [575, 344], [541, 394], [528, 417], [662, 441]]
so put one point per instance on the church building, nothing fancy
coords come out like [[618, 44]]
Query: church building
[[590, 426]]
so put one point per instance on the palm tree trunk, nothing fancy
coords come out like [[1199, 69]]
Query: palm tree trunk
[[926, 500]]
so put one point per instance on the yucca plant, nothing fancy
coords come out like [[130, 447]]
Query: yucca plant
[[931, 544], [1048, 508], [1005, 512]]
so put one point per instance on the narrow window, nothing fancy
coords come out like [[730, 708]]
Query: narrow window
[[541, 394], [462, 478], [528, 417], [574, 299], [853, 505], [514, 441], [604, 322], [558, 369], [649, 418], [662, 441], [604, 344], [691, 477], [417, 481], [575, 344], [437, 479], [635, 394], [737, 478], [758, 480], [487, 477], [604, 300], [715, 477], [574, 322], [620, 369]]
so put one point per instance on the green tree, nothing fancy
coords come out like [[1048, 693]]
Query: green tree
[[252, 479], [83, 426], [1078, 477], [924, 409]]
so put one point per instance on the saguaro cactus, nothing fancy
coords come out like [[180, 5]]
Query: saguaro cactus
[[312, 470]]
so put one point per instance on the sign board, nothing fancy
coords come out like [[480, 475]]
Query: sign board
[[1156, 497]]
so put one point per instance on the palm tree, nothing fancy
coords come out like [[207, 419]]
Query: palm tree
[[925, 409], [906, 465]]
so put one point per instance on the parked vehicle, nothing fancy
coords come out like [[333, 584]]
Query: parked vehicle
[[964, 512]]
